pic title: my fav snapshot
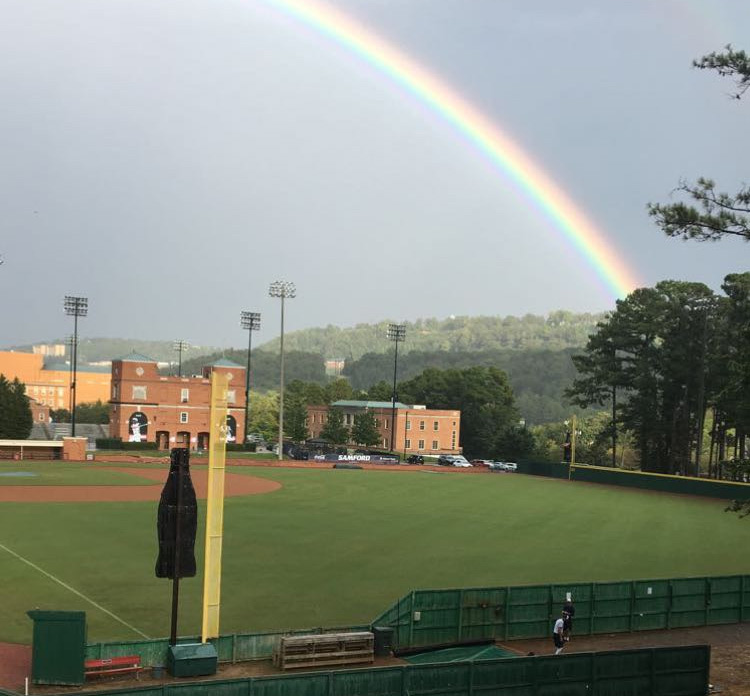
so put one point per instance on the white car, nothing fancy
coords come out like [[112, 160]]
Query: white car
[[461, 461]]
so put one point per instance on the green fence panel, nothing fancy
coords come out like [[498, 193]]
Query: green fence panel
[[436, 617], [724, 600], [447, 680], [381, 682], [293, 685], [529, 612], [483, 613], [548, 469], [504, 677], [612, 607]]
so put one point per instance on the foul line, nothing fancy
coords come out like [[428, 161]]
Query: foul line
[[74, 591]]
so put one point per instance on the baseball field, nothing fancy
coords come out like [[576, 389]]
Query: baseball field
[[324, 547]]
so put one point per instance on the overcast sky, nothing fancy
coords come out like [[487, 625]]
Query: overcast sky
[[168, 159]]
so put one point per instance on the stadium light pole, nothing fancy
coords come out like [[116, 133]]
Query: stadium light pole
[[251, 322], [70, 342], [179, 346], [75, 307], [397, 334], [283, 289]]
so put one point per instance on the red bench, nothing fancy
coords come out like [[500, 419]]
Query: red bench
[[113, 665]]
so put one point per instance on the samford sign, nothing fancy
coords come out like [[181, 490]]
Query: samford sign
[[371, 458]]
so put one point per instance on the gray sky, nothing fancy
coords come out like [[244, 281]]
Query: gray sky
[[170, 158]]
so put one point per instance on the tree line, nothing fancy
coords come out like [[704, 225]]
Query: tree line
[[667, 358]]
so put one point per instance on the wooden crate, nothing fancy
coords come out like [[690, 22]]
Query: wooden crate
[[320, 650]]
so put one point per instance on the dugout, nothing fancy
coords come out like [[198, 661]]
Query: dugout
[[67, 449]]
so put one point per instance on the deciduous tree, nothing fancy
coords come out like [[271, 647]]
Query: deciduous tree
[[334, 430], [15, 413], [364, 430]]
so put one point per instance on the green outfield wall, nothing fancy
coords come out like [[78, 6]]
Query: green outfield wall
[[236, 647], [685, 485], [430, 618], [645, 672]]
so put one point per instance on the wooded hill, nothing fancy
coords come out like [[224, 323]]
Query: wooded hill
[[556, 331]]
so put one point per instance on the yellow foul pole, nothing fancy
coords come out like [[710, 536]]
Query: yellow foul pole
[[215, 507]]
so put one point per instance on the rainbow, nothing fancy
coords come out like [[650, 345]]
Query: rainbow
[[504, 154]]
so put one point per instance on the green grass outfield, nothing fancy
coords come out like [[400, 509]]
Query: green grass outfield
[[336, 547]]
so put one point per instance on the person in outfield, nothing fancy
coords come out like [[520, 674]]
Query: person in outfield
[[568, 612], [557, 635]]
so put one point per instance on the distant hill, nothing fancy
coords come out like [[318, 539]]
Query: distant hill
[[557, 331], [99, 349]]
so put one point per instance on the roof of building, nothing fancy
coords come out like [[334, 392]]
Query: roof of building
[[136, 357], [367, 404], [62, 366], [224, 362]]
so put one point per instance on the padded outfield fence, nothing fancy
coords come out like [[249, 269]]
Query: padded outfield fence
[[445, 617], [649, 671], [685, 485], [428, 618]]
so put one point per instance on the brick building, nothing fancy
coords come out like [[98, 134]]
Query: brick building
[[49, 383], [39, 412], [418, 430], [171, 411]]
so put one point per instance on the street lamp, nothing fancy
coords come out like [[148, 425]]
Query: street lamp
[[251, 322], [179, 346], [397, 334], [75, 307], [284, 290]]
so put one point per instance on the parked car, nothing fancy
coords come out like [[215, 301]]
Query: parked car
[[481, 462], [415, 459], [445, 460], [504, 466], [460, 461]]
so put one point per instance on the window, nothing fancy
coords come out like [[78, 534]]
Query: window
[[385, 424], [41, 416], [408, 425], [434, 444], [435, 426], [183, 417], [231, 396], [139, 392], [184, 395], [453, 440], [421, 425], [407, 444], [348, 418], [420, 445], [115, 391]]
